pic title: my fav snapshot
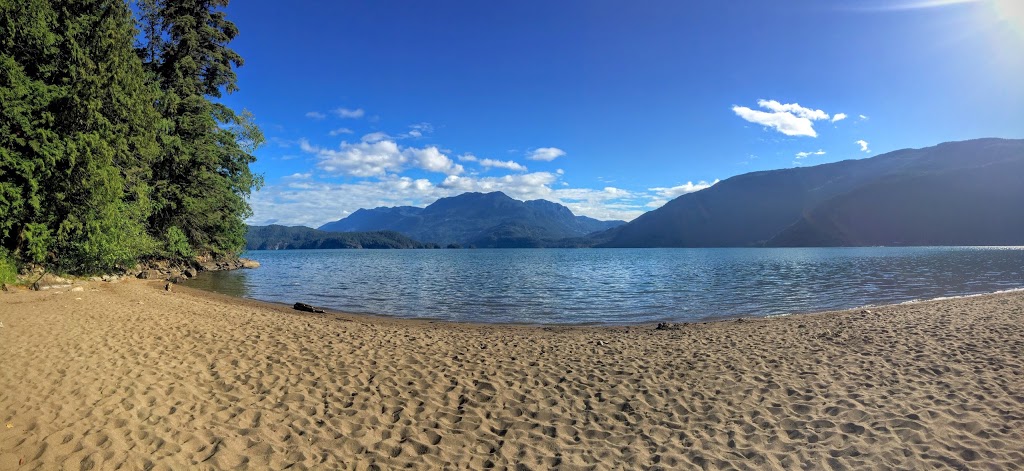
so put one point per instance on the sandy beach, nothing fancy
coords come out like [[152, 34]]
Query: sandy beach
[[129, 376]]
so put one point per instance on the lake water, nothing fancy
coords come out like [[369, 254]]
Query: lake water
[[616, 286]]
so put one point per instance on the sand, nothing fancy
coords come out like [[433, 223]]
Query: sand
[[129, 376]]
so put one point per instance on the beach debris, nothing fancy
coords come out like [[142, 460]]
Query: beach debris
[[306, 307], [667, 326]]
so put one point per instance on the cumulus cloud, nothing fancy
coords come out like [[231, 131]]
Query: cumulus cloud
[[506, 164], [315, 115], [677, 191], [793, 108], [790, 119], [546, 154], [468, 158], [340, 131], [431, 159], [803, 155], [375, 137], [839, 117], [863, 145], [349, 113], [379, 158]]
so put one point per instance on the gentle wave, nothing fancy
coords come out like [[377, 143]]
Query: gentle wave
[[618, 286]]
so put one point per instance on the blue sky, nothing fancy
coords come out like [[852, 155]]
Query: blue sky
[[609, 107]]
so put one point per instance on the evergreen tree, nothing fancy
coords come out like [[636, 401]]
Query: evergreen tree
[[106, 149], [202, 177]]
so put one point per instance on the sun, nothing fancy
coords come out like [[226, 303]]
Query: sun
[[1010, 11]]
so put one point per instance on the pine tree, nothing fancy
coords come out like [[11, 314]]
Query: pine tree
[[80, 137], [202, 177]]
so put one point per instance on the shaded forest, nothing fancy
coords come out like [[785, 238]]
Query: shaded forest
[[114, 146]]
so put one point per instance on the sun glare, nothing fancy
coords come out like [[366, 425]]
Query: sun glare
[[1010, 11]]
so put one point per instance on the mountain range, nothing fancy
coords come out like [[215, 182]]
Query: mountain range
[[477, 219], [955, 193]]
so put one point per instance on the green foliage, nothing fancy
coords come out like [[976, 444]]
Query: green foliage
[[8, 269], [105, 148], [177, 243]]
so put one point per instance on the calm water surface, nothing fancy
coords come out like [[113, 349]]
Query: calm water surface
[[616, 286]]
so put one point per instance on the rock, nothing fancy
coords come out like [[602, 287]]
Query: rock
[[95, 278], [866, 311], [3, 286], [50, 281], [167, 287], [148, 274], [306, 307], [77, 289], [105, 278], [190, 272], [666, 326], [246, 263]]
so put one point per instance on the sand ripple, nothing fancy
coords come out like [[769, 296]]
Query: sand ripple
[[126, 376]]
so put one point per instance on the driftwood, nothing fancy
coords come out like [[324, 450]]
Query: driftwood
[[306, 307]]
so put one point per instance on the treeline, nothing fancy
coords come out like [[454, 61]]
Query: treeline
[[277, 237], [113, 144]]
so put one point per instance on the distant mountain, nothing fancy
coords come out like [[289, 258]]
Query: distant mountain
[[283, 238], [477, 219], [956, 193]]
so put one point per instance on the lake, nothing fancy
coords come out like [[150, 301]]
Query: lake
[[616, 286]]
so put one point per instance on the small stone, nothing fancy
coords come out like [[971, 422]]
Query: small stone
[[167, 287], [77, 289], [3, 286], [866, 311]]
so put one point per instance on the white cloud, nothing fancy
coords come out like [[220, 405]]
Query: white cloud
[[507, 164], [315, 115], [677, 191], [546, 154], [790, 119], [379, 158], [782, 122], [839, 117], [794, 109], [431, 159], [803, 155], [467, 158], [349, 113], [375, 137], [863, 118], [340, 131], [863, 145]]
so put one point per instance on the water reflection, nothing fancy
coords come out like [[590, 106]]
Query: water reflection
[[616, 285]]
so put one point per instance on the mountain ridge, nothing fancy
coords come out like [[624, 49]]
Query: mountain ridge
[[477, 219], [757, 208]]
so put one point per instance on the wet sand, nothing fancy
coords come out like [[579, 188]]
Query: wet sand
[[129, 376]]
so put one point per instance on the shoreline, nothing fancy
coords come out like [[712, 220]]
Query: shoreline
[[134, 376], [703, 320]]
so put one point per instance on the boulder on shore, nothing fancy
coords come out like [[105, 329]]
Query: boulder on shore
[[51, 281], [247, 263]]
